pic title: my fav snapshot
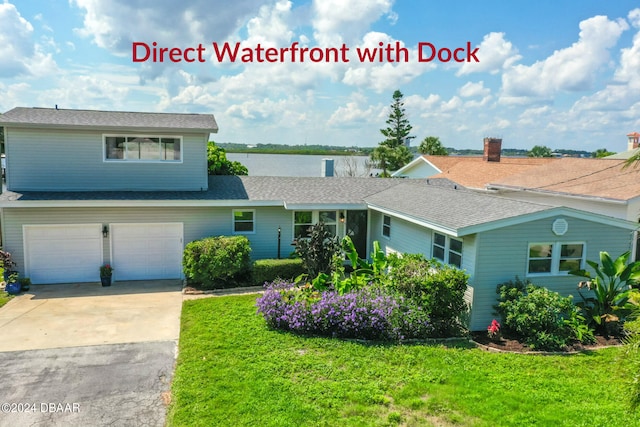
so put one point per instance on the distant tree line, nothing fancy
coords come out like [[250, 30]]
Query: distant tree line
[[295, 149]]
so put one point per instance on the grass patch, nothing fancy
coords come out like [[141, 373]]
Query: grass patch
[[232, 370], [4, 298]]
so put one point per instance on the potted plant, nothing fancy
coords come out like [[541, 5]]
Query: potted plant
[[25, 284], [12, 287], [105, 274]]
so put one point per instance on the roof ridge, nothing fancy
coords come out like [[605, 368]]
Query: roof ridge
[[106, 111]]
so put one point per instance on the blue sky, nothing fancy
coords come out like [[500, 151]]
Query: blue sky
[[565, 74]]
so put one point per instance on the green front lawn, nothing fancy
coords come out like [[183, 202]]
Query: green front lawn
[[4, 298], [233, 371]]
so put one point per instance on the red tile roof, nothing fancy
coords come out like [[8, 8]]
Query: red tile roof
[[601, 178], [473, 172]]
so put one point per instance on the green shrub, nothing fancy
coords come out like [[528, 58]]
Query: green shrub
[[268, 270], [541, 318], [439, 289], [218, 262]]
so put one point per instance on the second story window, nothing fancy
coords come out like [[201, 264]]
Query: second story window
[[142, 148]]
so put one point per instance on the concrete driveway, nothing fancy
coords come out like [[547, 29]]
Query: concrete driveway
[[81, 354]]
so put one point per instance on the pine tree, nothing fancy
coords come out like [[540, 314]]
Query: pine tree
[[392, 154]]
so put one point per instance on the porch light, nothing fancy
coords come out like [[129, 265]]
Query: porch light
[[342, 217], [105, 231]]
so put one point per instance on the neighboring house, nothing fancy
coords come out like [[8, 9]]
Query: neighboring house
[[471, 171], [131, 189], [633, 142], [601, 186], [598, 185]]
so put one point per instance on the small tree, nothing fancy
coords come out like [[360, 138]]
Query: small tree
[[602, 152], [317, 250], [540, 151], [218, 164], [432, 145]]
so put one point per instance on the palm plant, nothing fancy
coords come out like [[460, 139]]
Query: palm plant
[[612, 288]]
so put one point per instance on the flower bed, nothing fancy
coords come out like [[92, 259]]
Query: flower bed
[[368, 313]]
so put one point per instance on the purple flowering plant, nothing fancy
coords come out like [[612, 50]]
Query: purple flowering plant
[[368, 313]]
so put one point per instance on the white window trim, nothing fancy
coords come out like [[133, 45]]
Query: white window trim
[[388, 237], [556, 251], [106, 160], [233, 221], [447, 248], [315, 218]]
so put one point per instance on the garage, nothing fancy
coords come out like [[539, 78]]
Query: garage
[[146, 251], [63, 253]]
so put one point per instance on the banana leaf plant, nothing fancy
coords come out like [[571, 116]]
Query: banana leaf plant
[[612, 288], [363, 272]]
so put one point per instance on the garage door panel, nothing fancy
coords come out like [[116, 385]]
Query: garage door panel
[[64, 253], [147, 251]]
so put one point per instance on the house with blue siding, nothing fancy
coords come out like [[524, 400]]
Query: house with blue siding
[[85, 188]]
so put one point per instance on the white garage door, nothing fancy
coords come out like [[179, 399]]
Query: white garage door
[[146, 251], [63, 253]]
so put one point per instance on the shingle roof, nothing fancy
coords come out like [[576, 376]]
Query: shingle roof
[[474, 172], [599, 178], [433, 202], [61, 118], [289, 190], [453, 209]]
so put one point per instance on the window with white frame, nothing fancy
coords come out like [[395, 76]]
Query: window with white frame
[[303, 220], [140, 148], [447, 249], [244, 221], [386, 225], [555, 258]]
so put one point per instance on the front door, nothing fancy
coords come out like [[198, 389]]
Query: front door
[[357, 229]]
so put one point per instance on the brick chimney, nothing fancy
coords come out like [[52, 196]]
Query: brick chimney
[[632, 143], [492, 149]]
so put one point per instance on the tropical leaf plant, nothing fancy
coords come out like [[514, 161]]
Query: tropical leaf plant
[[611, 287]]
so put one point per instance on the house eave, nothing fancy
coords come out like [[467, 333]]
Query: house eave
[[137, 203], [549, 213], [107, 129], [325, 206]]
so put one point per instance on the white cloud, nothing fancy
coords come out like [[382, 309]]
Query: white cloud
[[382, 75], [494, 54], [115, 24], [471, 89], [623, 94], [357, 112], [338, 21], [271, 26], [570, 69], [634, 17], [455, 103], [20, 55], [417, 102]]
